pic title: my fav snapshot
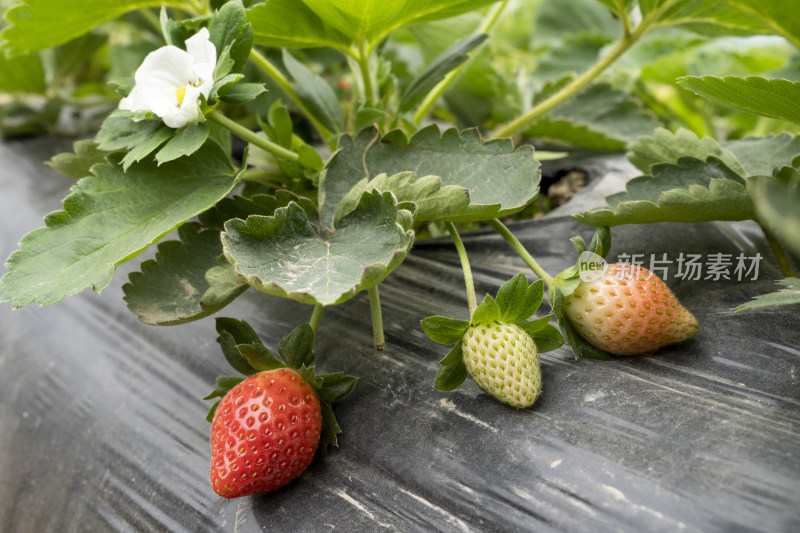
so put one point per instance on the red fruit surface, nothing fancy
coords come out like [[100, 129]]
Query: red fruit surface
[[264, 433], [628, 311]]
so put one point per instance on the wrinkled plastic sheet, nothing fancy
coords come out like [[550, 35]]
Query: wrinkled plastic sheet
[[102, 424]]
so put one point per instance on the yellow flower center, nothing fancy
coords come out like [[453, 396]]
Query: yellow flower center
[[180, 93]]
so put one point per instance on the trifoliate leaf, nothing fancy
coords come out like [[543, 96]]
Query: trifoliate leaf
[[76, 164], [788, 296], [500, 179], [444, 330], [174, 288], [452, 371], [432, 200], [665, 147], [690, 191], [287, 255], [109, 218], [599, 117], [775, 98]]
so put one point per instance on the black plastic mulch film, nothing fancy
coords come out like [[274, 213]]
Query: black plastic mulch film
[[102, 426]]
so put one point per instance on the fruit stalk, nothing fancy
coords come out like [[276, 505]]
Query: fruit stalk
[[517, 246], [377, 318], [462, 255]]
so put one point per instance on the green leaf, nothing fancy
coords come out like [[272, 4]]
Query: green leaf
[[286, 255], [762, 155], [787, 296], [579, 346], [123, 133], [432, 200], [666, 147], [775, 98], [186, 142], [444, 330], [691, 191], [241, 93], [777, 205], [601, 241], [228, 28], [315, 92], [517, 300], [368, 116], [150, 145], [599, 117], [23, 74], [438, 69], [109, 218], [487, 311], [707, 18], [618, 6], [247, 345], [500, 179], [76, 164], [184, 282], [335, 387], [372, 20], [291, 24], [297, 348], [781, 16], [534, 326], [330, 428], [452, 371], [233, 356], [39, 24], [547, 338]]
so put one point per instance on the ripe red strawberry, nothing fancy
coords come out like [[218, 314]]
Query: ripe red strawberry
[[267, 428], [628, 311], [265, 432]]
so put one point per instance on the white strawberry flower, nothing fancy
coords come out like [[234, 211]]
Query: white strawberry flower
[[169, 81]]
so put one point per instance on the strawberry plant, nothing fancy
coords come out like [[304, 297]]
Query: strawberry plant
[[300, 148]]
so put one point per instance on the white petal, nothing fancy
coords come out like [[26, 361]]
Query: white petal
[[168, 66], [201, 49]]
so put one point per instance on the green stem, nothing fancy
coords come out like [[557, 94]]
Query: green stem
[[286, 86], [316, 315], [462, 255], [363, 65], [777, 251], [377, 317], [250, 136], [628, 39], [431, 98], [521, 251], [153, 20]]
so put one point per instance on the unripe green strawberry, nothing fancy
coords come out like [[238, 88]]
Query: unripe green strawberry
[[264, 433], [503, 361], [628, 311]]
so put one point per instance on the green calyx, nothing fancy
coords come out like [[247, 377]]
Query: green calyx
[[515, 303], [565, 284], [246, 353]]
